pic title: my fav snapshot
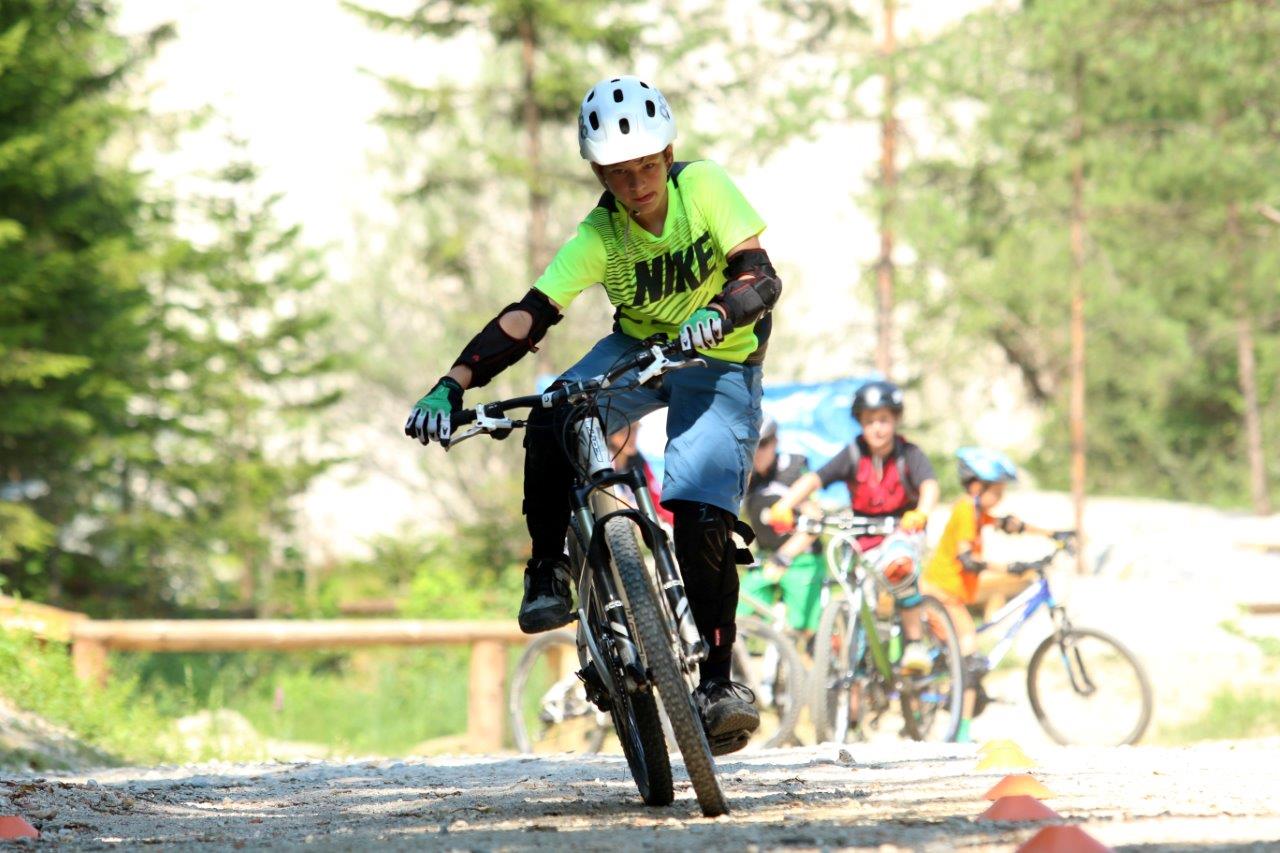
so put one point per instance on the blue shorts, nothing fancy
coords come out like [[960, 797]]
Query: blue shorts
[[713, 421]]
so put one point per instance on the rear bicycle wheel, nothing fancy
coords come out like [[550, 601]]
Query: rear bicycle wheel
[[657, 641], [767, 663], [547, 703], [1087, 688]]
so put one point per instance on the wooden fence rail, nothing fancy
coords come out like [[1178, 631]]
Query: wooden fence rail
[[92, 639]]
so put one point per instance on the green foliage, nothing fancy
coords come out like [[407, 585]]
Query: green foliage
[[118, 720], [71, 249], [154, 391], [1165, 158], [1232, 714]]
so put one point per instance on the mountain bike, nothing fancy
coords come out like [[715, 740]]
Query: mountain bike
[[1085, 686], [856, 686], [549, 711], [636, 638]]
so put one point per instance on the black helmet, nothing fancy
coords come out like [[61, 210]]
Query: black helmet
[[879, 394], [768, 429]]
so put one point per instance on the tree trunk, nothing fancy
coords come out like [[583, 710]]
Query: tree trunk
[[1077, 408], [537, 238], [888, 188], [1247, 369], [536, 246]]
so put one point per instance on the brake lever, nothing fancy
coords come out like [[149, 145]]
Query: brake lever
[[500, 427]]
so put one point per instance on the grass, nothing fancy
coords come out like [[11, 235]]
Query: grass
[[1269, 646], [384, 701], [117, 722], [1232, 715]]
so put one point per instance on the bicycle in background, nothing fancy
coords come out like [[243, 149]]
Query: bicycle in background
[[1085, 686], [856, 687]]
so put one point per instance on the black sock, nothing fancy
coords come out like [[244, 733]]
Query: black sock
[[712, 670]]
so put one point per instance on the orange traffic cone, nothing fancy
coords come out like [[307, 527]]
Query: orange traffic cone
[[1018, 784], [1019, 808], [12, 826], [1064, 839]]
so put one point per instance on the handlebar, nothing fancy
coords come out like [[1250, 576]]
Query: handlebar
[[653, 361], [1064, 541], [857, 524]]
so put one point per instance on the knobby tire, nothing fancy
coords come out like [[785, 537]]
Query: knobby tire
[[823, 695], [656, 645]]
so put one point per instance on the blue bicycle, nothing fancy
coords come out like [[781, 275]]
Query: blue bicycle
[[1085, 686]]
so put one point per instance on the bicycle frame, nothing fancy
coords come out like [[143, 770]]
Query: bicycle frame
[[841, 568], [1024, 605], [593, 503]]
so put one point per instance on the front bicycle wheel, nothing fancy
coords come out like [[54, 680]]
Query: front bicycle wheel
[[932, 703], [833, 694], [767, 663], [548, 705], [657, 645], [1087, 688]]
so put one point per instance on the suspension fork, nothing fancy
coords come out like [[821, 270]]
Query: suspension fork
[[1071, 659], [693, 647]]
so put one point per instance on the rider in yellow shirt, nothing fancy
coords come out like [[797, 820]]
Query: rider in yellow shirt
[[952, 573]]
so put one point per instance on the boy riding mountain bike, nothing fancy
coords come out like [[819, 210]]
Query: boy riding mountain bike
[[676, 247], [796, 579], [952, 573], [887, 476]]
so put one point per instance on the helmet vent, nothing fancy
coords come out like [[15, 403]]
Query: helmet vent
[[617, 96], [615, 79], [591, 95], [594, 119], [650, 109], [624, 125], [646, 85]]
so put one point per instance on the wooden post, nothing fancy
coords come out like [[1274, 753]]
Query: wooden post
[[89, 661], [1247, 367], [1076, 415], [486, 698], [888, 190]]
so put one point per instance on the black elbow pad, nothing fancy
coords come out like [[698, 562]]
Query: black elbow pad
[[493, 350], [745, 302], [971, 564]]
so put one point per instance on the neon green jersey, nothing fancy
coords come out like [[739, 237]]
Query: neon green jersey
[[657, 282]]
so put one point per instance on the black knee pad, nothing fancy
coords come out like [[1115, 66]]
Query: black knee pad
[[706, 554]]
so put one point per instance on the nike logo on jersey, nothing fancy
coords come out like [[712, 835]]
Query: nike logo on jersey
[[674, 272]]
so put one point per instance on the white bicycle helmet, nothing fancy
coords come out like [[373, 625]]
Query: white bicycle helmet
[[621, 119]]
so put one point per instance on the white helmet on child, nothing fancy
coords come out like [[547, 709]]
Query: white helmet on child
[[623, 118]]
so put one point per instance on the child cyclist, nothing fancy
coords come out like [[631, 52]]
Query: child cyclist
[[952, 573], [796, 579], [676, 247], [887, 476]]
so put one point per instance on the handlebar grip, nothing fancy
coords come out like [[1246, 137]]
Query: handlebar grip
[[462, 417]]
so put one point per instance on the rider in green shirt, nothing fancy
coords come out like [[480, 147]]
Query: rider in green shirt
[[676, 247]]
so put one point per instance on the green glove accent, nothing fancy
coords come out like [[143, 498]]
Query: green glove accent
[[444, 397], [702, 331]]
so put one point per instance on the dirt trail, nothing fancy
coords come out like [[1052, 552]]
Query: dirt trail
[[876, 797]]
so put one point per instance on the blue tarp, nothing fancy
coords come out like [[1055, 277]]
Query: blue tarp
[[813, 420]]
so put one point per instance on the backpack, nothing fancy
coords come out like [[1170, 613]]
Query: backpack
[[909, 489]]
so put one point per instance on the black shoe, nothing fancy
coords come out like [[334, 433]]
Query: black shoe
[[728, 714], [547, 603]]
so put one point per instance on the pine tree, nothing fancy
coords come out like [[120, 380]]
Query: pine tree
[[71, 212]]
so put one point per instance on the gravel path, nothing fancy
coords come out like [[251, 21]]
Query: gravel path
[[881, 797]]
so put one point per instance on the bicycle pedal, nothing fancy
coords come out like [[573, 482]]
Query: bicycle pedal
[[728, 743]]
